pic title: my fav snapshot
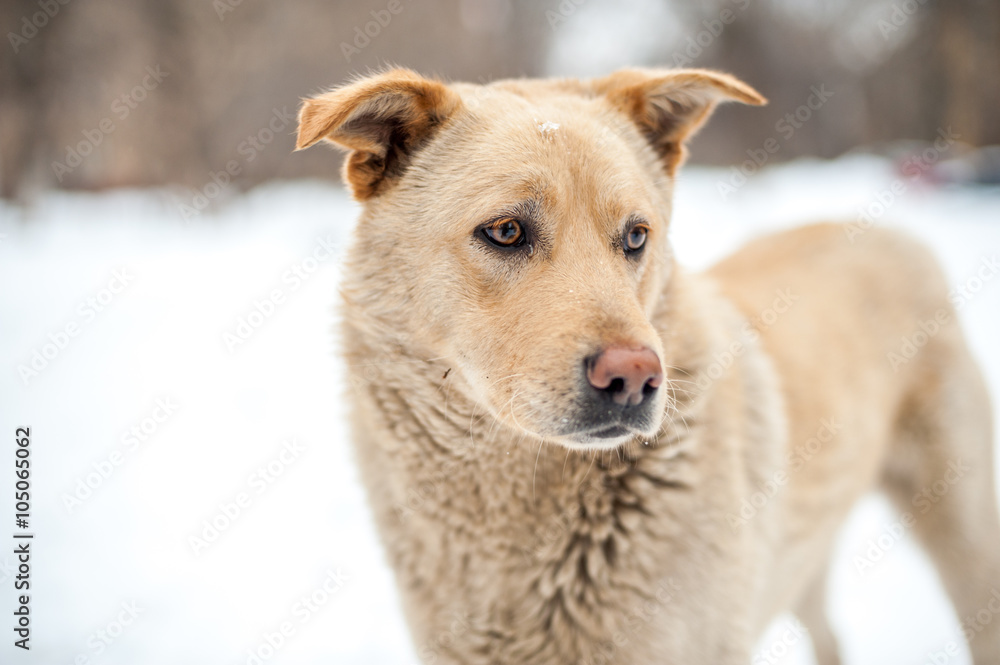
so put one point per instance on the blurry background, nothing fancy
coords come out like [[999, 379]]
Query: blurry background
[[169, 269], [899, 69]]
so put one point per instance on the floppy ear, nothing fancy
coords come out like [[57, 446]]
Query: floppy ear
[[381, 120], [669, 106]]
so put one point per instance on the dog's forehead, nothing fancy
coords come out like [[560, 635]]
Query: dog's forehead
[[555, 140], [547, 117]]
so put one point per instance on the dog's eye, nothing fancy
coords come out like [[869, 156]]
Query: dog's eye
[[636, 238], [506, 232]]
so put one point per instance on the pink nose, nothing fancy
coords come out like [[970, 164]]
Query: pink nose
[[628, 375]]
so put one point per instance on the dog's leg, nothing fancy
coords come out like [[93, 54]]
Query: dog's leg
[[811, 611], [941, 472]]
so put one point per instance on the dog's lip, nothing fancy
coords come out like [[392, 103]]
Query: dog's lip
[[611, 429], [602, 437], [612, 432]]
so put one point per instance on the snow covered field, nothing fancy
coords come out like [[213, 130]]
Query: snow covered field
[[186, 374]]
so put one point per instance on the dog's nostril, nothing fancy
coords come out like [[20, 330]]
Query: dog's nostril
[[627, 375]]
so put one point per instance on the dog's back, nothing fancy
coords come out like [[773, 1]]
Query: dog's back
[[881, 391]]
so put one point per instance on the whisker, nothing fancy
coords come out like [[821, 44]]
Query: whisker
[[592, 459], [535, 471], [513, 416]]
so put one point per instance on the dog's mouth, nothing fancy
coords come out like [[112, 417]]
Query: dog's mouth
[[609, 426], [604, 437], [613, 432]]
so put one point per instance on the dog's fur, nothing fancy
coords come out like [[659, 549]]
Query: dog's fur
[[515, 538]]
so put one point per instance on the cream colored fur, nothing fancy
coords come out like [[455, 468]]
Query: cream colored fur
[[512, 541]]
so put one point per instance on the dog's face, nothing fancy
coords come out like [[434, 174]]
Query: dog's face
[[523, 228]]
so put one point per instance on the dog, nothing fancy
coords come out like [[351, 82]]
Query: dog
[[578, 452]]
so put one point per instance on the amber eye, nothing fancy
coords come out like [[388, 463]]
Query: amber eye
[[636, 237], [506, 232]]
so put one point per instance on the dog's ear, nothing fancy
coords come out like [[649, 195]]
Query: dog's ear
[[381, 120], [670, 105]]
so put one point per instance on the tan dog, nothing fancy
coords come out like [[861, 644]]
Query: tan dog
[[579, 453]]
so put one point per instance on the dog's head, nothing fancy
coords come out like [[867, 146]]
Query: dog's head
[[519, 230]]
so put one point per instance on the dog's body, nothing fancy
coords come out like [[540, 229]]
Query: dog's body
[[520, 528]]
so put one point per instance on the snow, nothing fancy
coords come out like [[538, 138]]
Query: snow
[[259, 428], [547, 128]]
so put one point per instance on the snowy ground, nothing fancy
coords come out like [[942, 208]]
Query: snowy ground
[[125, 537]]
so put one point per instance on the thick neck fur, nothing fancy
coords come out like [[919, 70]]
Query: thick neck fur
[[464, 501]]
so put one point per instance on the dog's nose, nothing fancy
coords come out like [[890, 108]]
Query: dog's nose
[[627, 375]]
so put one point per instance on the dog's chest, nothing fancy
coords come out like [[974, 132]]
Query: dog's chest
[[560, 557]]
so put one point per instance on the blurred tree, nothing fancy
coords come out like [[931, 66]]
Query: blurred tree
[[897, 69], [23, 92], [198, 92], [230, 77], [946, 75]]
